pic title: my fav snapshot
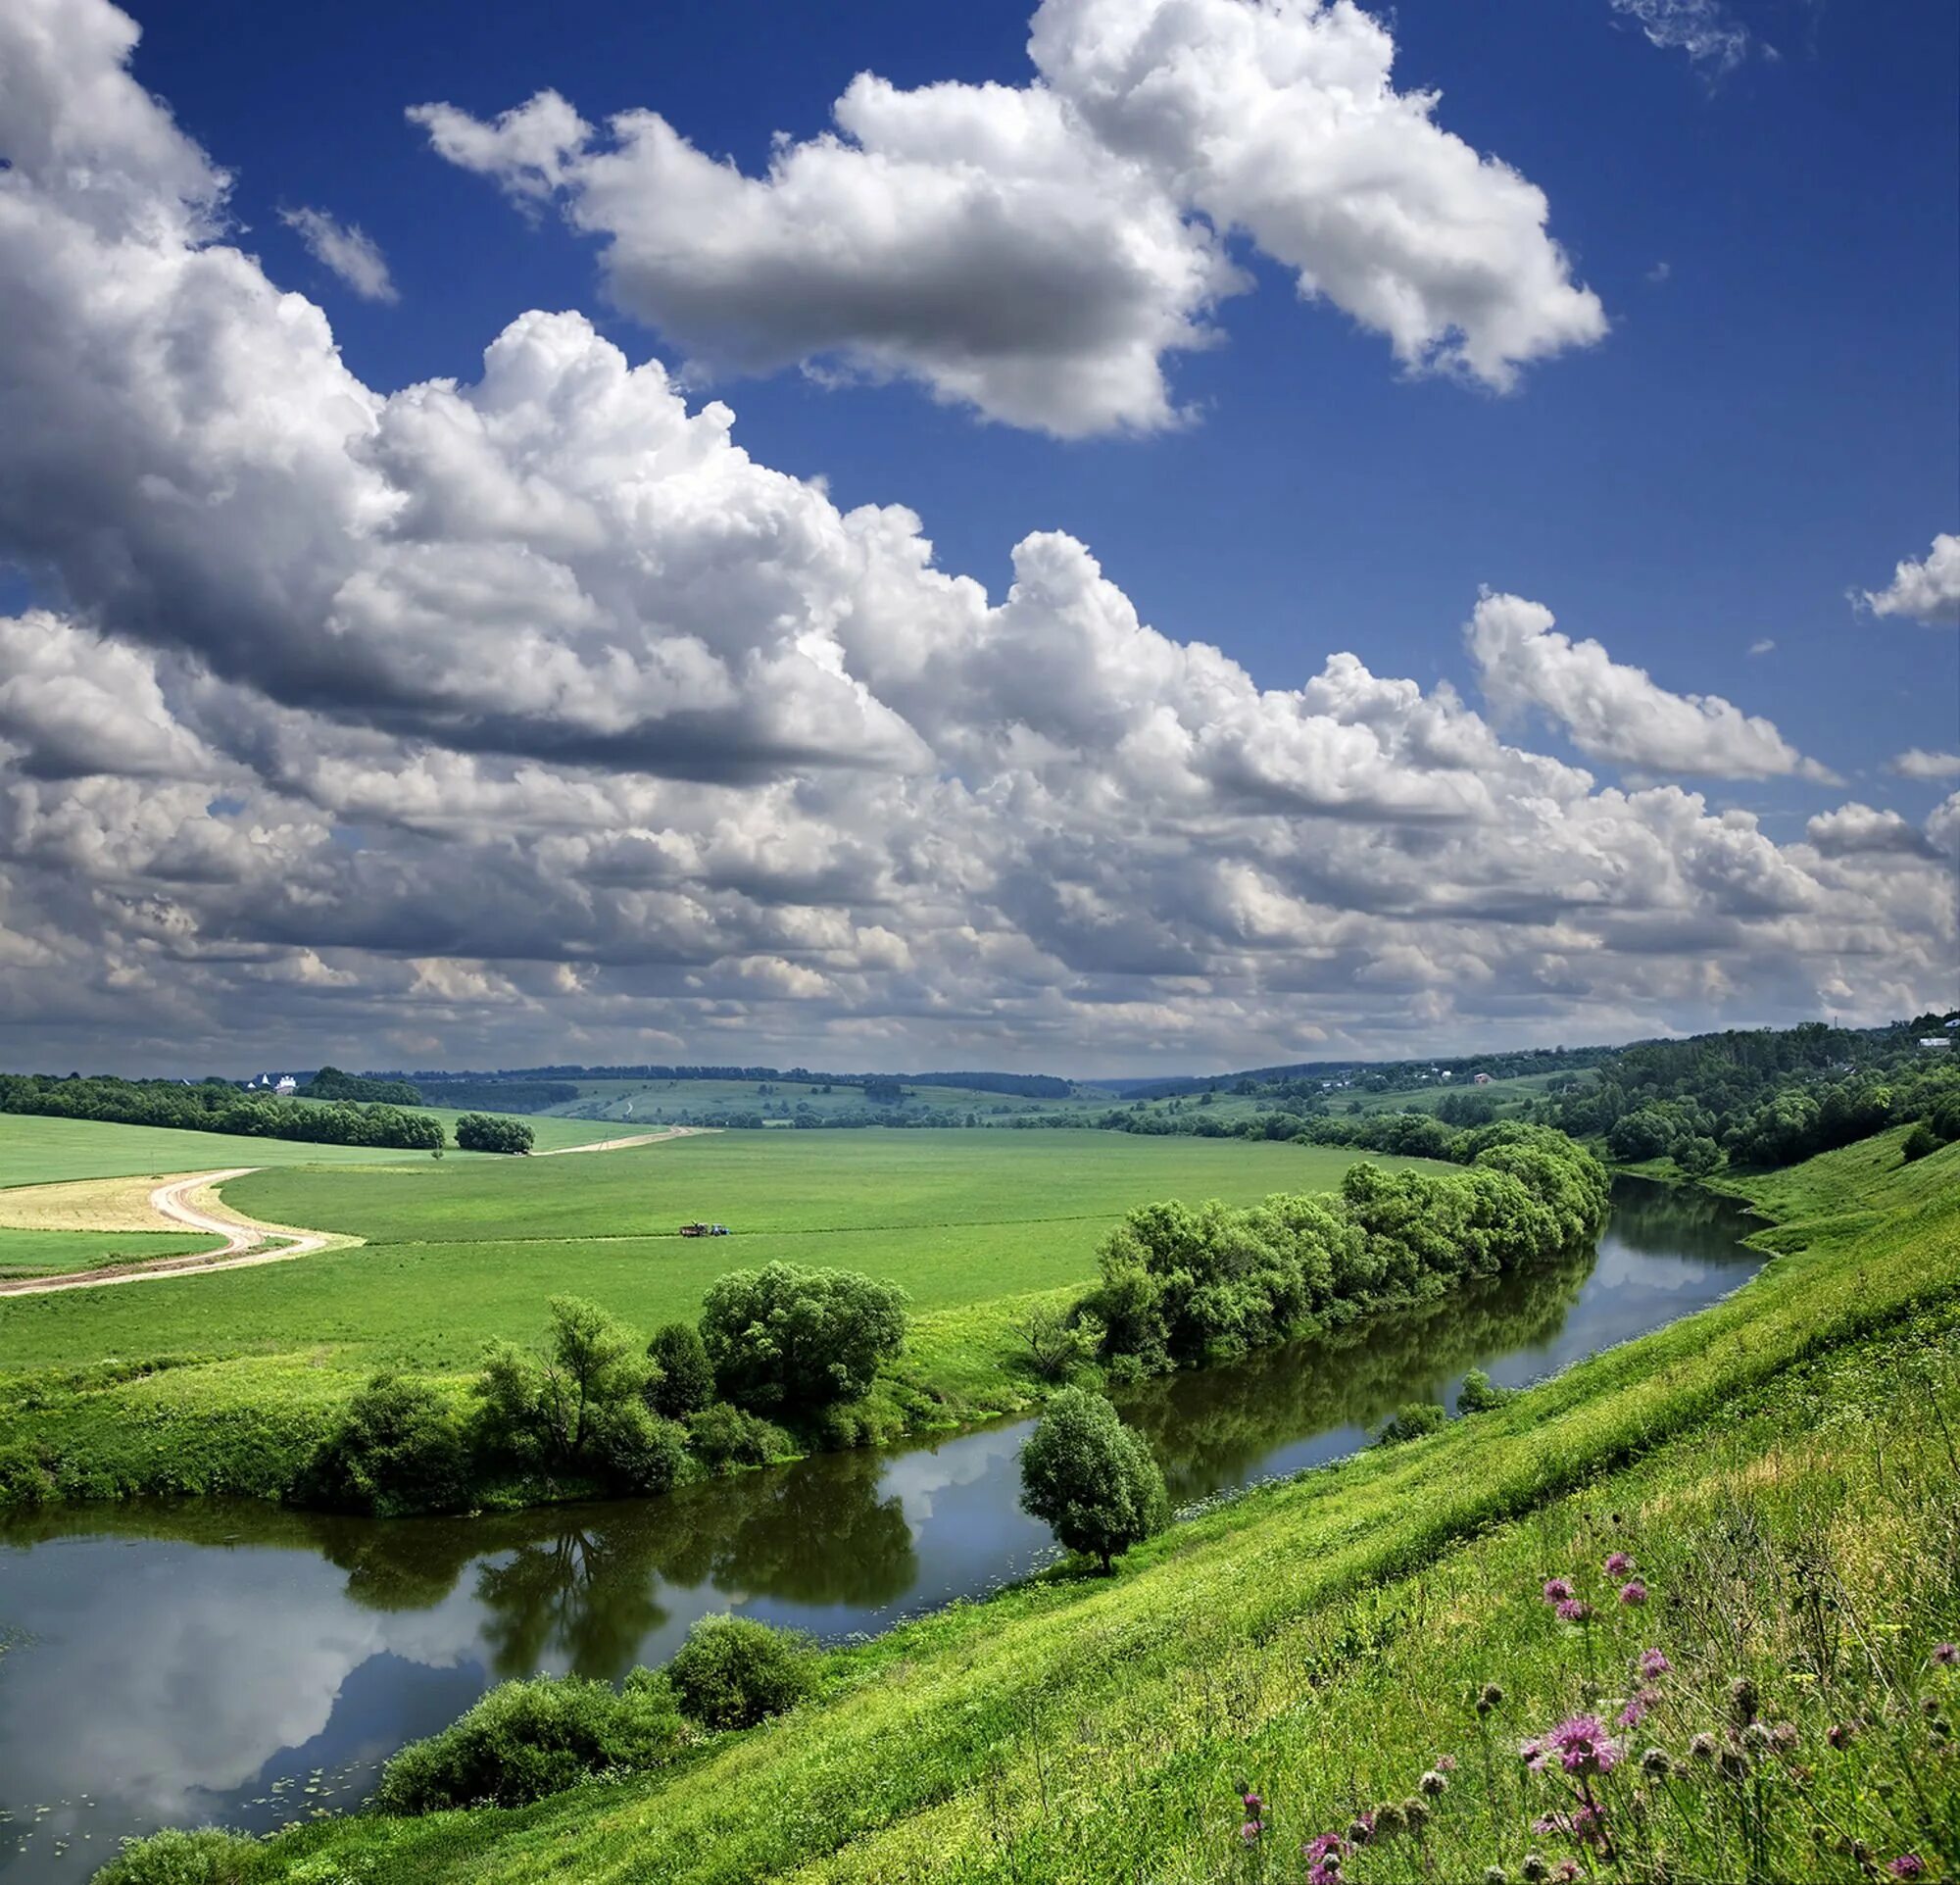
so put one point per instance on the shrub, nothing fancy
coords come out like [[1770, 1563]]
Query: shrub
[[733, 1671], [399, 1448], [492, 1132], [686, 1382], [633, 1449], [1480, 1394], [560, 1407], [1411, 1421], [1919, 1142], [528, 1739], [1094, 1481], [723, 1436], [800, 1339], [26, 1473], [205, 1856]]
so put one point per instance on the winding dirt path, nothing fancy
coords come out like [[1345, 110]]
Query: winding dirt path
[[184, 1201], [192, 1202]]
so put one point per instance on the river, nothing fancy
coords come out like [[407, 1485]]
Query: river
[[228, 1662]]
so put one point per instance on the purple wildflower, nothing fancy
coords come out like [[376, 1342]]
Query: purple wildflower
[[1653, 1664], [1583, 1746], [1907, 1865], [1632, 1592], [1618, 1563], [1252, 1831], [1446, 1764], [1635, 1711], [1842, 1734], [1556, 1590], [1327, 1844], [1253, 1803], [1532, 1752], [1946, 1655], [1566, 1870], [1574, 1610]]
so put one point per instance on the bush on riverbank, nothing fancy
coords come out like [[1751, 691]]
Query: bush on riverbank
[[1181, 1283], [525, 1740], [733, 1671]]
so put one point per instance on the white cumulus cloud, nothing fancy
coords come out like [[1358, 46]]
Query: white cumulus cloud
[[345, 249], [1615, 711], [1916, 763], [1926, 591], [1037, 252]]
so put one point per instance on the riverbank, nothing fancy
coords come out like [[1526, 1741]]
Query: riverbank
[[1322, 1638]]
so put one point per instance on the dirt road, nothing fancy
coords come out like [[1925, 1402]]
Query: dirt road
[[181, 1202], [619, 1145]]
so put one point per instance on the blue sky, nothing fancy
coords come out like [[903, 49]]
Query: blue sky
[[355, 717], [1770, 425]]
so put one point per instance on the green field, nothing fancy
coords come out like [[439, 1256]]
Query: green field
[[456, 1252], [1781, 1466], [38, 1151], [51, 1252]]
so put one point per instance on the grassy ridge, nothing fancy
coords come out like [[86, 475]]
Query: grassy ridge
[[1321, 1637]]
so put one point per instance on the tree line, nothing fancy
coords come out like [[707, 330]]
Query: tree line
[[1182, 1284], [1767, 1097], [215, 1106]]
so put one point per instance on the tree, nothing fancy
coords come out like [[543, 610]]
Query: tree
[[1091, 1479], [685, 1382], [399, 1448], [1920, 1142], [800, 1340], [576, 1406], [492, 1132], [1642, 1134], [1053, 1342], [1698, 1157]]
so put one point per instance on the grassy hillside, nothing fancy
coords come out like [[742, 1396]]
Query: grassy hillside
[[38, 1151], [1782, 1467], [259, 1358]]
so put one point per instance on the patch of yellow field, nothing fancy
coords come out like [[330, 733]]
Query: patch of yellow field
[[85, 1204]]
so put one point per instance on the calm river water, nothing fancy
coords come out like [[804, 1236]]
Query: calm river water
[[228, 1662]]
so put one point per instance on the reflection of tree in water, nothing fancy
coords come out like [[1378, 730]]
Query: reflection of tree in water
[[814, 1533], [1677, 1221], [587, 1593], [1210, 1425]]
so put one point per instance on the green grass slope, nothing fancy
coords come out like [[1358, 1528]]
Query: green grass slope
[[38, 1151], [1323, 1638], [53, 1253]]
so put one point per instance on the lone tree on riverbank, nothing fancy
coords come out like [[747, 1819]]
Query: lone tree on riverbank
[[1088, 1476]]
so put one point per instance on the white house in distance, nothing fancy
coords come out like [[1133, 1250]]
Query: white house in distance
[[1935, 1040], [269, 1083]]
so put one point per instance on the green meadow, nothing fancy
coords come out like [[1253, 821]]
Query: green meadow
[[1781, 1469], [38, 1151], [223, 1382], [52, 1253]]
